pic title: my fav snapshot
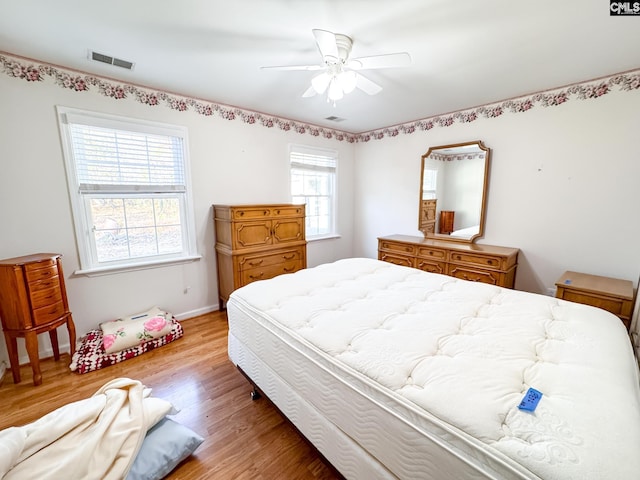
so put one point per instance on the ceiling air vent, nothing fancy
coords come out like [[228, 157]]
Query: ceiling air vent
[[333, 118], [118, 62]]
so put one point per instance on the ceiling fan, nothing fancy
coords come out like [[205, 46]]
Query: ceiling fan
[[340, 74]]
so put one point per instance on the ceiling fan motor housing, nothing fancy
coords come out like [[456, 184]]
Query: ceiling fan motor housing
[[344, 44]]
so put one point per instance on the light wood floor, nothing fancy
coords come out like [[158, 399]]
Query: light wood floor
[[244, 439]]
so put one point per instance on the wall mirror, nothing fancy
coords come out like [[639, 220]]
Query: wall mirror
[[453, 190]]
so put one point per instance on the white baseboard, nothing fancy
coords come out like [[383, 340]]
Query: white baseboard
[[197, 312]]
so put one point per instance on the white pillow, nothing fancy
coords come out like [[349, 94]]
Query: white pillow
[[134, 330]]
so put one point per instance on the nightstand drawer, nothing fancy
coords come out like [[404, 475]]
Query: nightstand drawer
[[610, 304]]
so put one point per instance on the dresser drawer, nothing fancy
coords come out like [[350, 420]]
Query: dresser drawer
[[398, 247], [265, 260], [46, 296], [432, 254], [432, 267], [41, 271], [48, 314], [263, 273], [483, 260], [474, 275], [396, 259]]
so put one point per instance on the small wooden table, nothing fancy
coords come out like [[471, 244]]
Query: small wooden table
[[33, 300], [611, 294]]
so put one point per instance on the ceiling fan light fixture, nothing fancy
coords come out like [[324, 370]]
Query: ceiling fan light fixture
[[347, 81], [335, 90]]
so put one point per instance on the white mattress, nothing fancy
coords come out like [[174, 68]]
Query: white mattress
[[421, 374]]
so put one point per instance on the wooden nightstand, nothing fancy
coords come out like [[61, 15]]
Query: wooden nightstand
[[611, 294]]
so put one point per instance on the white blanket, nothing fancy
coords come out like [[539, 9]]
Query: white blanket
[[95, 438]]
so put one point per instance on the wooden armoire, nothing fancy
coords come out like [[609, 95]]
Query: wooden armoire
[[257, 242]]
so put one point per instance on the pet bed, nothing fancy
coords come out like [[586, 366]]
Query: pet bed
[[91, 355]]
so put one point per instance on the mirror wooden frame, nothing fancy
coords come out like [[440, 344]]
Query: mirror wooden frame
[[427, 209]]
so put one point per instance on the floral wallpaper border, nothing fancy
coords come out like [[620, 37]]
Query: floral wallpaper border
[[31, 72]]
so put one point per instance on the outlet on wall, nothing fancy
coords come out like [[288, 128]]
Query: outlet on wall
[[551, 291]]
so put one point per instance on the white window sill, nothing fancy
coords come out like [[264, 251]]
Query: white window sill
[[94, 272], [323, 237]]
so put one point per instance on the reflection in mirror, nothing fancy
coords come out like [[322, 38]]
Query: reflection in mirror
[[453, 191]]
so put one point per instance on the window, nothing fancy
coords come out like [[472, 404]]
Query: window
[[429, 182], [313, 177], [129, 187]]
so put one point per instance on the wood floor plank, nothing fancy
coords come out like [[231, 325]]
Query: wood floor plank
[[244, 439]]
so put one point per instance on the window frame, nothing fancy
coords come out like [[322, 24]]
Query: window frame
[[80, 200], [323, 152]]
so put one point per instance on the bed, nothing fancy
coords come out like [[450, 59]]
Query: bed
[[392, 372]]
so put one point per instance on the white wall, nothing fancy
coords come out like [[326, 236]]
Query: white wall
[[563, 187], [231, 162]]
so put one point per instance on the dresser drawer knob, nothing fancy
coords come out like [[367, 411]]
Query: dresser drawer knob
[[288, 270], [256, 263], [289, 257], [257, 277], [407, 249]]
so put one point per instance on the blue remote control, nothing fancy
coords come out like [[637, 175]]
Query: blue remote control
[[530, 400]]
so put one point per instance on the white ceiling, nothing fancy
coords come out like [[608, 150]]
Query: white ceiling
[[465, 53]]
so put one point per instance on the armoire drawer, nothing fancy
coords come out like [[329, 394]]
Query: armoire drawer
[[264, 260], [263, 273]]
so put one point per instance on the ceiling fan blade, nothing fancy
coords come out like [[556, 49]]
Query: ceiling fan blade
[[308, 68], [366, 85], [391, 60], [326, 43], [309, 92]]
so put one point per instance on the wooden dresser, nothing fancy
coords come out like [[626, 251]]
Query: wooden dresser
[[257, 242], [33, 300], [478, 263]]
